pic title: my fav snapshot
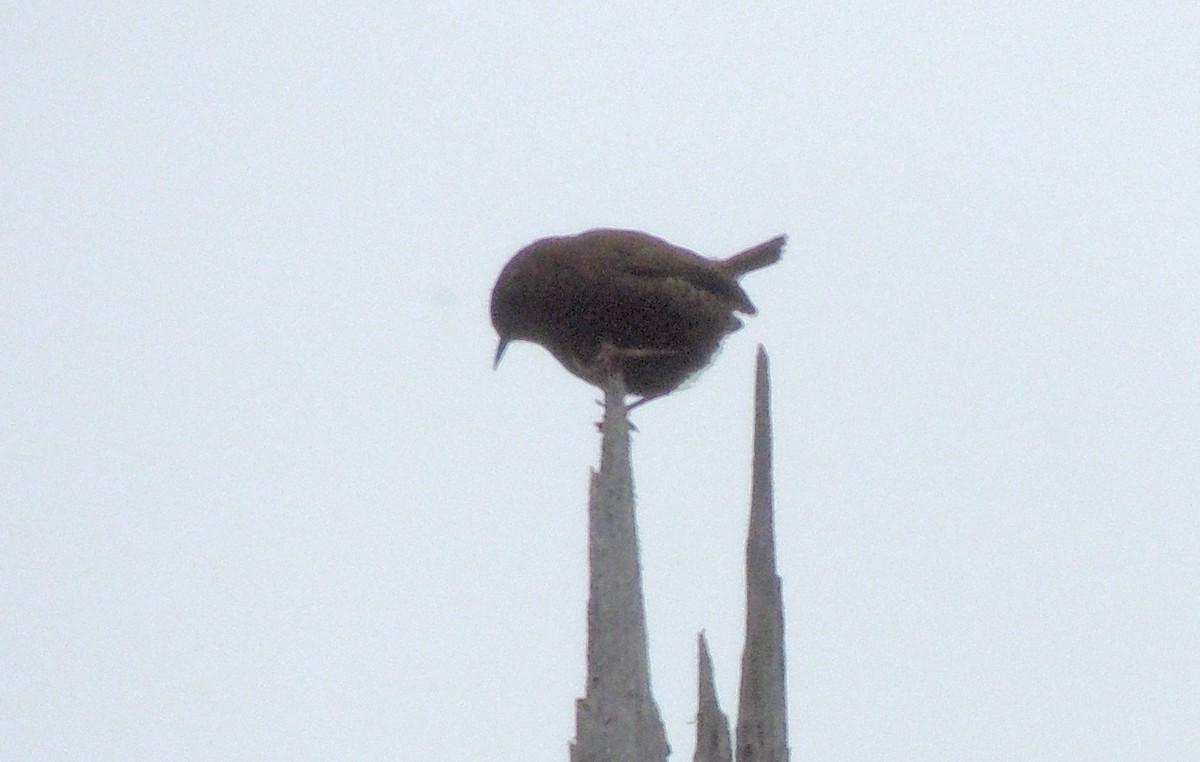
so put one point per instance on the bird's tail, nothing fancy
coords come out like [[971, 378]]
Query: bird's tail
[[766, 253]]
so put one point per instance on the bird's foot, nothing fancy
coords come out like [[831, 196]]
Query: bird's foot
[[629, 423]]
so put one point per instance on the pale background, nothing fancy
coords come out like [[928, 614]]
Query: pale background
[[264, 498]]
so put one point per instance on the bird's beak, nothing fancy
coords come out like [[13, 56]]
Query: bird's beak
[[500, 351]]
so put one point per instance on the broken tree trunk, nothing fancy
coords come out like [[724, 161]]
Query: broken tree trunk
[[617, 719]]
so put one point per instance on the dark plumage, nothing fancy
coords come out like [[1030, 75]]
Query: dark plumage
[[620, 300]]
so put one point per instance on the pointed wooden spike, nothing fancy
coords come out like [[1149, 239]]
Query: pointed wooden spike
[[712, 726], [762, 697]]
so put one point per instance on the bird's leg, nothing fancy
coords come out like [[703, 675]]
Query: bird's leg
[[634, 353], [608, 369], [608, 364], [643, 401], [611, 378]]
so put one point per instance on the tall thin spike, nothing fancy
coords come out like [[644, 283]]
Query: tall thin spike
[[762, 697]]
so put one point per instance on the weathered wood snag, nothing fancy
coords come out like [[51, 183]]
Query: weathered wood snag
[[617, 719], [762, 698]]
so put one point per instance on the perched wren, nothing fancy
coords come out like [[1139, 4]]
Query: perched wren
[[621, 301]]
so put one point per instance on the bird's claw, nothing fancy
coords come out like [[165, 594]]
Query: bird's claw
[[629, 423]]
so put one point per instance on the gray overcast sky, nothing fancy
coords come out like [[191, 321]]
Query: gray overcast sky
[[264, 498]]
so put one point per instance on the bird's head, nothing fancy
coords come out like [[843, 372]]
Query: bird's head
[[508, 307]]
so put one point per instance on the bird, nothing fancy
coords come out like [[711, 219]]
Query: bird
[[609, 301]]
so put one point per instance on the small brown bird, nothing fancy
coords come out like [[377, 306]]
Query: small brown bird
[[608, 301]]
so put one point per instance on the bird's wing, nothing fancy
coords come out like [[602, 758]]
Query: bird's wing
[[655, 260]]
